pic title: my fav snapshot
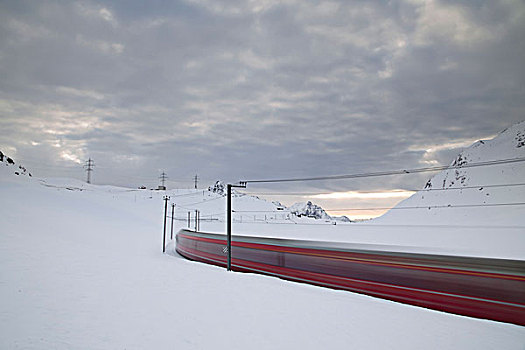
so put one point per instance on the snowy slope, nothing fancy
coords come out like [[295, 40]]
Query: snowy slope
[[473, 186], [81, 268], [8, 165]]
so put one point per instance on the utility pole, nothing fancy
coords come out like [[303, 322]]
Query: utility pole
[[196, 220], [196, 179], [172, 218], [89, 168], [229, 222], [166, 199]]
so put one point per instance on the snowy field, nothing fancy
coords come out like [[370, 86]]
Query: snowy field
[[81, 268]]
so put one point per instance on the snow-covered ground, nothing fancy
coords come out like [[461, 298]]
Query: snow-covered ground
[[81, 267], [84, 270]]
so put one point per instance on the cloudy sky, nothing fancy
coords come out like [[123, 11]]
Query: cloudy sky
[[237, 90]]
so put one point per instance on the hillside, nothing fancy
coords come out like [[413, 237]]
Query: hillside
[[7, 164], [478, 195]]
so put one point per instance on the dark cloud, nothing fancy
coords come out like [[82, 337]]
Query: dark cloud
[[238, 90]]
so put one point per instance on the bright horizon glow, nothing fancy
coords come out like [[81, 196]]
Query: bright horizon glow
[[364, 195], [362, 215], [384, 199]]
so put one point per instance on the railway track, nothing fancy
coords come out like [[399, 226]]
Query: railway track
[[478, 287]]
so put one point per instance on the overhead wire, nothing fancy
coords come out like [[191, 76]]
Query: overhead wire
[[392, 172], [396, 172], [205, 201], [195, 193], [375, 208], [392, 208], [364, 224], [435, 206], [379, 191]]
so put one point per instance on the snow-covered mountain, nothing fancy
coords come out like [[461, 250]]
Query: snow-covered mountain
[[11, 166], [218, 188], [468, 195], [312, 210], [342, 218]]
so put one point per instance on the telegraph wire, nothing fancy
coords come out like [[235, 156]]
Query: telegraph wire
[[206, 201], [435, 206], [195, 193], [392, 172], [393, 208], [379, 191], [197, 203], [365, 224], [215, 214]]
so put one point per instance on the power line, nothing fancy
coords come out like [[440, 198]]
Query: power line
[[367, 225], [215, 214], [392, 172], [394, 208], [187, 194], [204, 201], [380, 191], [435, 206]]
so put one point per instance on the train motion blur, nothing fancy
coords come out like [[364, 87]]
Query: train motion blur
[[478, 287]]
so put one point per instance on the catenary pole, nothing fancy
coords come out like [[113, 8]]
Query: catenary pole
[[229, 225], [172, 218], [229, 221], [196, 225], [166, 199]]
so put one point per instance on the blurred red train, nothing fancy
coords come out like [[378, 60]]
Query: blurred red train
[[478, 287]]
